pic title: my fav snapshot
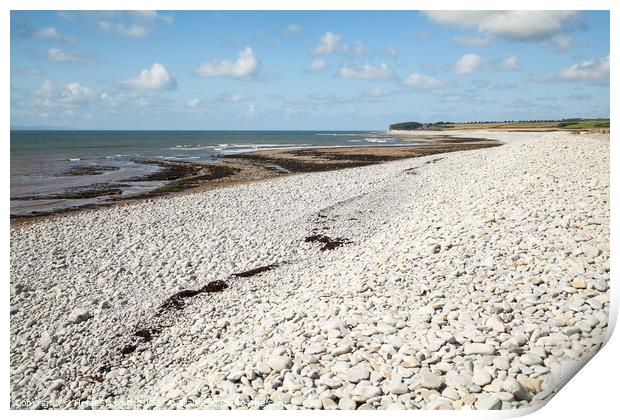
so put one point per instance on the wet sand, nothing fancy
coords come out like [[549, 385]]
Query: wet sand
[[334, 158]]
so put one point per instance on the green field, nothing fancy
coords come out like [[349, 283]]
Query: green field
[[566, 124], [588, 124]]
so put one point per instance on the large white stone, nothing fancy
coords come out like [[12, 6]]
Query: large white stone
[[279, 363], [78, 315], [357, 374], [479, 348]]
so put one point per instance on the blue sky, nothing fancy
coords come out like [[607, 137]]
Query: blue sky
[[304, 70]]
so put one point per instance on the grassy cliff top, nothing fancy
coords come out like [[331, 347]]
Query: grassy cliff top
[[566, 124]]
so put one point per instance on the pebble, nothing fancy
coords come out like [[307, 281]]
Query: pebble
[[479, 348], [313, 403], [501, 362], [590, 251], [534, 385], [357, 374], [398, 387], [481, 377], [530, 359], [365, 391], [600, 284], [346, 403], [513, 386], [79, 315], [279, 363], [341, 349], [579, 283], [577, 269], [328, 403], [488, 402], [45, 341], [56, 385], [427, 379], [457, 380]]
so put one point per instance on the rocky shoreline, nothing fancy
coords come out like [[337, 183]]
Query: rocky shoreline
[[176, 177], [460, 281]]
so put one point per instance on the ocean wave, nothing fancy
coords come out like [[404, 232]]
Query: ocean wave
[[178, 157], [378, 140], [211, 146], [187, 146], [240, 147]]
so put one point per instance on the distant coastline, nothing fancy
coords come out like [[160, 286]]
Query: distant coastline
[[522, 125]]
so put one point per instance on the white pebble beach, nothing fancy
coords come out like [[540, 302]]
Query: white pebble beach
[[462, 280]]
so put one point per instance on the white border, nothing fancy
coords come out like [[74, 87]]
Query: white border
[[590, 394]]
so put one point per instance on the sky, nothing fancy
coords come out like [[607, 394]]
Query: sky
[[304, 70]]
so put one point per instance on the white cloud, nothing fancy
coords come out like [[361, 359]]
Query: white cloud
[[193, 103], [244, 66], [151, 15], [251, 110], [361, 49], [141, 22], [74, 92], [46, 89], [133, 30], [130, 99], [155, 78], [366, 71], [330, 43], [231, 97], [391, 50], [66, 15], [419, 81], [511, 63], [318, 65], [467, 64], [378, 93], [588, 70], [147, 15], [291, 29], [476, 41], [80, 102], [47, 33], [67, 95], [509, 24], [58, 56], [561, 42]]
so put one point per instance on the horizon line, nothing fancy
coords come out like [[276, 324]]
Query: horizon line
[[44, 128]]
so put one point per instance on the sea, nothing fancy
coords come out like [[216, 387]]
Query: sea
[[41, 159]]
